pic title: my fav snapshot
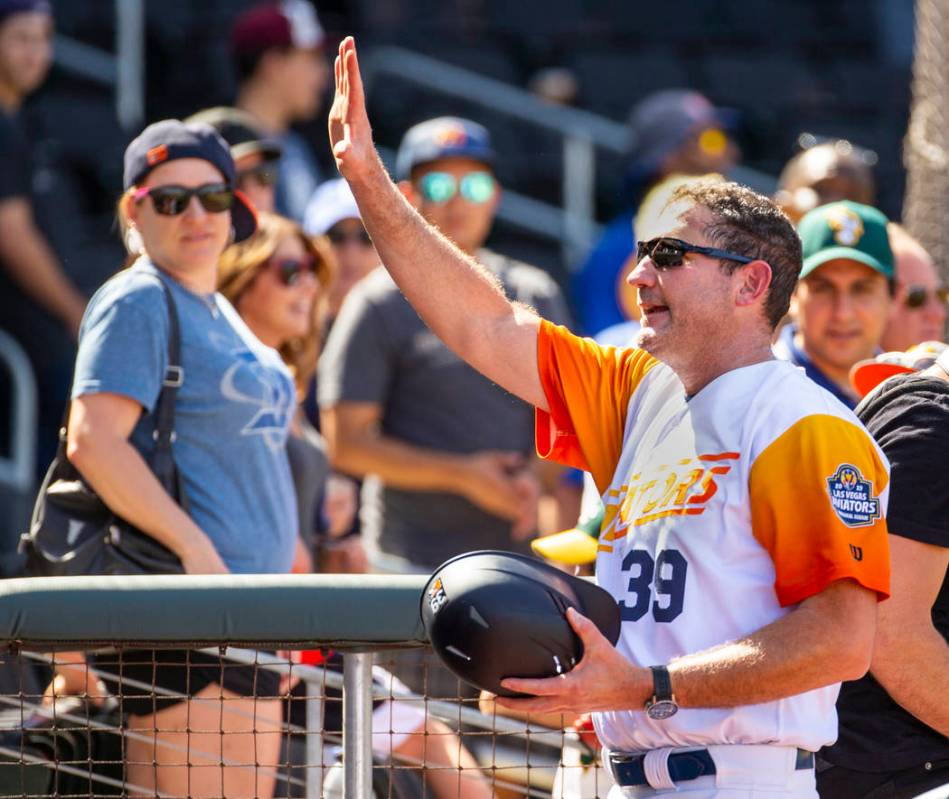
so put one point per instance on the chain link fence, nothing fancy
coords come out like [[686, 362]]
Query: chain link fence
[[159, 710]]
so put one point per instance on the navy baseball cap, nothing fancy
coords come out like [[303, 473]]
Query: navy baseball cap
[[241, 132], [10, 7], [443, 137], [171, 139], [662, 121]]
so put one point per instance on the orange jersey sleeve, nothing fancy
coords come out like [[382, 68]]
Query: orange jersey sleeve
[[588, 388], [818, 505]]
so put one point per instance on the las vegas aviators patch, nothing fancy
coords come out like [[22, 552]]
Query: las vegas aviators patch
[[852, 497]]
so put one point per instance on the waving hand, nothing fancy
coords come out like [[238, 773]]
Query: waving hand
[[350, 133]]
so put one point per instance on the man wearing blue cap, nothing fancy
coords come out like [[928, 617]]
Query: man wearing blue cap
[[676, 131], [451, 449], [39, 306]]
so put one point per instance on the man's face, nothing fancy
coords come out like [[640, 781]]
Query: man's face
[[841, 310], [465, 221], [257, 178], [918, 313], [302, 76], [26, 51], [684, 310], [355, 258]]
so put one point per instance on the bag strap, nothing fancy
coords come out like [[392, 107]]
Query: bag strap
[[164, 410], [174, 378]]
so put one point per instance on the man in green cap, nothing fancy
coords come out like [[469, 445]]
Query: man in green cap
[[842, 301]]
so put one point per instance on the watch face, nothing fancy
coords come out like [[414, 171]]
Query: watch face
[[663, 709]]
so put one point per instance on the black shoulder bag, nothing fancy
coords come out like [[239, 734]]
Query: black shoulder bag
[[73, 532]]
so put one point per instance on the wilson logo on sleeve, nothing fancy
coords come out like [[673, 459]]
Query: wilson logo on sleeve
[[852, 498]]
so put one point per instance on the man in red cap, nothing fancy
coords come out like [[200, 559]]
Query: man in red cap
[[277, 50]]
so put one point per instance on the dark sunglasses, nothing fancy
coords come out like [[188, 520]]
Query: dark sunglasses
[[289, 270], [918, 296], [215, 198], [340, 237], [264, 175], [666, 252], [440, 187]]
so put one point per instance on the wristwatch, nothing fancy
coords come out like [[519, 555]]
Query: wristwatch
[[662, 705]]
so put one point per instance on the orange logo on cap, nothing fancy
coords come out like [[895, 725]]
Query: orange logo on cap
[[157, 154], [453, 136]]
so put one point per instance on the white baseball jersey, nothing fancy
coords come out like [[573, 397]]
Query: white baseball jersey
[[723, 511]]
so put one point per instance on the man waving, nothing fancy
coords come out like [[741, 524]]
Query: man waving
[[744, 537]]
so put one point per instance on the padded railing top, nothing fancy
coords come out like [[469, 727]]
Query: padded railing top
[[341, 611]]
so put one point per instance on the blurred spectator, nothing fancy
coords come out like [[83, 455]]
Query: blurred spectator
[[256, 157], [452, 451], [332, 212], [918, 312], [868, 374], [39, 305], [842, 302], [282, 71], [823, 173], [279, 281], [232, 414], [557, 85], [674, 131]]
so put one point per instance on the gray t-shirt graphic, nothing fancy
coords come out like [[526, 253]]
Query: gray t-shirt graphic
[[380, 351], [231, 416]]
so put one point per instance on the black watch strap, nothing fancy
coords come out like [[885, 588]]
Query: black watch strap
[[661, 684]]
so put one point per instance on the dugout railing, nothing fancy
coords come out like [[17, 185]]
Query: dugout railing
[[73, 745]]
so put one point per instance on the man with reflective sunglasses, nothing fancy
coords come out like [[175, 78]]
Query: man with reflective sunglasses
[[918, 311], [452, 450], [744, 537]]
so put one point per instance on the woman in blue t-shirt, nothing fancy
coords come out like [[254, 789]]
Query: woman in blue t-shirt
[[232, 413]]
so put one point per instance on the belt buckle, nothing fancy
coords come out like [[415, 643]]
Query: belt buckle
[[619, 763]]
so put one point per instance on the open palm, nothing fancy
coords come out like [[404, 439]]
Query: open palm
[[349, 130]]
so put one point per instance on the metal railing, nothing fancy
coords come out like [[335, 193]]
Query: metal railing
[[17, 468], [573, 222], [124, 71], [372, 621]]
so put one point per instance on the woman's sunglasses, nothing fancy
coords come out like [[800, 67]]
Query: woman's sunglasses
[[215, 198], [440, 187], [340, 237], [666, 252], [289, 270], [918, 296]]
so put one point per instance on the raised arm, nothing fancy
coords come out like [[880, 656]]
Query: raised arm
[[458, 299]]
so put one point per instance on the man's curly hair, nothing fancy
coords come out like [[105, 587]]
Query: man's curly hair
[[748, 223]]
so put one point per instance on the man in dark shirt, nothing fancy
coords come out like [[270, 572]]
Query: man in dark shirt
[[39, 306], [894, 722], [842, 302], [450, 449]]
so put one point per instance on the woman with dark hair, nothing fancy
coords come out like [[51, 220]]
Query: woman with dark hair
[[279, 281]]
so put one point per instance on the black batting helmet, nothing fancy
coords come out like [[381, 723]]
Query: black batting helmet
[[491, 615]]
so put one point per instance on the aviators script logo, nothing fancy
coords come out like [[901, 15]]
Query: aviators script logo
[[852, 498]]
